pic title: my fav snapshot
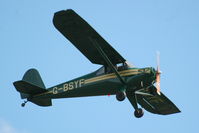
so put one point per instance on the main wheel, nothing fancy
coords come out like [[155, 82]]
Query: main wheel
[[120, 96], [138, 113]]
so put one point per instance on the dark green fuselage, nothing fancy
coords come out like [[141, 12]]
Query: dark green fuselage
[[100, 83]]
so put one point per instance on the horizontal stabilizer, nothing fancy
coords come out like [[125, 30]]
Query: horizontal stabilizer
[[28, 88], [42, 102]]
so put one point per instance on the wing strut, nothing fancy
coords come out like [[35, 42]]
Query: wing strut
[[107, 60]]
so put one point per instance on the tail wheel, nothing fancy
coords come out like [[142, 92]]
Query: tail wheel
[[120, 96], [138, 113], [24, 103]]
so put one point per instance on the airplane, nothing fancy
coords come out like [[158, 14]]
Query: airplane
[[115, 77]]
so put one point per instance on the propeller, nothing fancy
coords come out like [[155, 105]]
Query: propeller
[[158, 72]]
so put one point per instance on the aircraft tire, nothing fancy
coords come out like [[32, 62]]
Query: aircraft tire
[[138, 113], [120, 96]]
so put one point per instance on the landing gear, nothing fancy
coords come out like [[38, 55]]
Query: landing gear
[[24, 103], [120, 96], [133, 100], [138, 113]]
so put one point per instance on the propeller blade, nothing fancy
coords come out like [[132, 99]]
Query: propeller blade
[[158, 72], [158, 61], [158, 83]]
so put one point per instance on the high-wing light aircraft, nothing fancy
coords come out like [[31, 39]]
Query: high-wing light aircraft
[[115, 77]]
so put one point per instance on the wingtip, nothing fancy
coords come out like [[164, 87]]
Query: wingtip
[[64, 11], [62, 14], [179, 111]]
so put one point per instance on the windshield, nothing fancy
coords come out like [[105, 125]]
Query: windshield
[[130, 65]]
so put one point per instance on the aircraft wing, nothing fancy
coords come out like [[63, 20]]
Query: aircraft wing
[[82, 35], [157, 104]]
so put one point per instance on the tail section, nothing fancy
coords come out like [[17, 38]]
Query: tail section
[[30, 85]]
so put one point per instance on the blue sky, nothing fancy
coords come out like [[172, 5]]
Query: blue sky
[[136, 29]]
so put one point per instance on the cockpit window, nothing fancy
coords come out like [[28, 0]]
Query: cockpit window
[[119, 67]]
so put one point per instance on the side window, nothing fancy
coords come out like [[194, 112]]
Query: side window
[[106, 69], [109, 70], [122, 67], [100, 71]]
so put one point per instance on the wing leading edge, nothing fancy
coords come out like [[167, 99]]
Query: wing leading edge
[[82, 35]]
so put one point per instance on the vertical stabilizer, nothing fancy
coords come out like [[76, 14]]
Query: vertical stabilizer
[[32, 76]]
